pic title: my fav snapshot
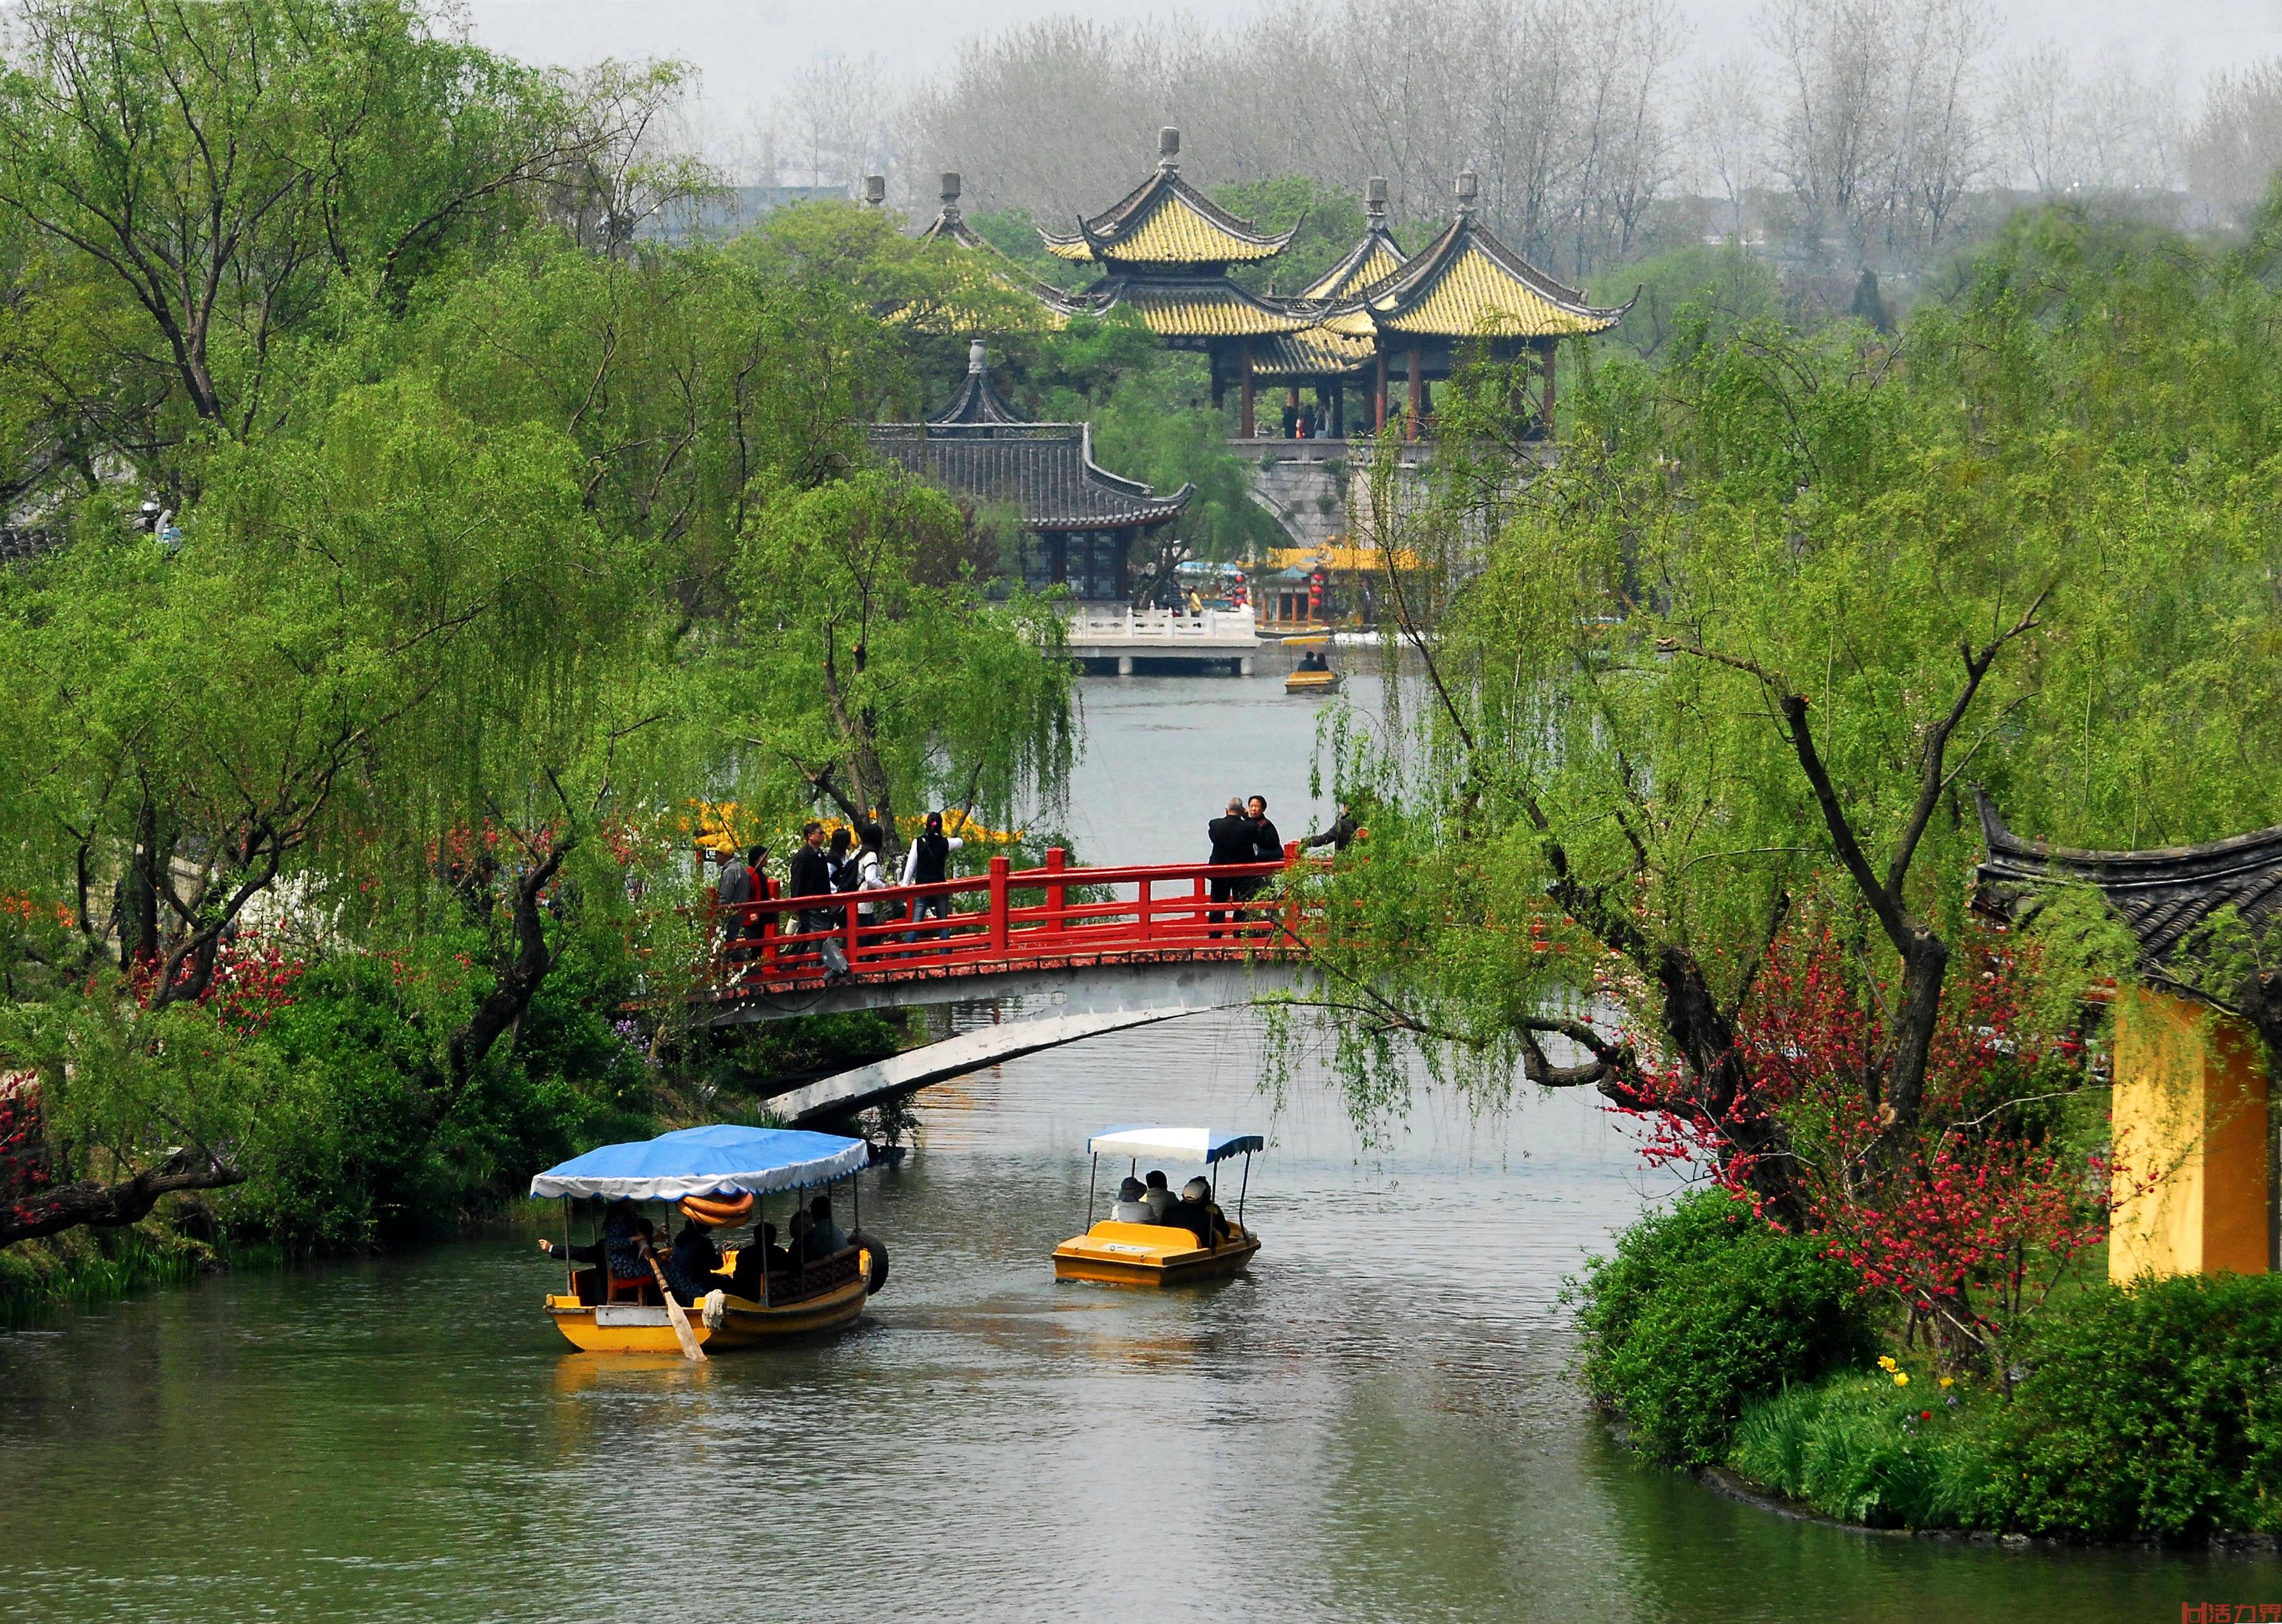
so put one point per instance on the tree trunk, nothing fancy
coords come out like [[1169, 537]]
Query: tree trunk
[[102, 1205]]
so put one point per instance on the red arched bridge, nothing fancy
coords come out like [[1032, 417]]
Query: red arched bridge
[[1077, 952], [774, 956]]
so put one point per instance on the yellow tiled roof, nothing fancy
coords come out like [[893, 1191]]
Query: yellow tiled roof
[[1165, 222], [1202, 310], [1374, 258], [1471, 284], [1312, 351], [1339, 558]]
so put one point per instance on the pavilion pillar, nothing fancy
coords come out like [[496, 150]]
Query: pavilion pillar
[[1552, 349], [1378, 393], [1417, 393], [1243, 408], [1121, 555], [1338, 411], [1057, 559]]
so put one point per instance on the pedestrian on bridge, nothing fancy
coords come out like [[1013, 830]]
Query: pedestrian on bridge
[[928, 863], [1267, 847], [812, 876], [736, 886], [1230, 834]]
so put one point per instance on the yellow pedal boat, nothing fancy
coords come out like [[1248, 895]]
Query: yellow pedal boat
[[1118, 1251], [709, 1172]]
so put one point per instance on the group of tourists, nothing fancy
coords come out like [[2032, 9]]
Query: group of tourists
[[1150, 1200], [1243, 834], [847, 862], [693, 1264]]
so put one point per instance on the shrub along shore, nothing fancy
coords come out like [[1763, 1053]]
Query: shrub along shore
[[2140, 1413]]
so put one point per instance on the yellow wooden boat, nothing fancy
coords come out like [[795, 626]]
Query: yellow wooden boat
[[710, 1171], [721, 1321], [1117, 1252]]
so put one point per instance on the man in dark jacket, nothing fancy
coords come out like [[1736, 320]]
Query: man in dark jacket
[[1267, 847], [1230, 834], [812, 876], [1339, 836]]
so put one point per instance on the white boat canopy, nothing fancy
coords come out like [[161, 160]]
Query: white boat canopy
[[1204, 1144]]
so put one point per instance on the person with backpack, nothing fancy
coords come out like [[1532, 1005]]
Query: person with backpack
[[927, 863], [869, 877]]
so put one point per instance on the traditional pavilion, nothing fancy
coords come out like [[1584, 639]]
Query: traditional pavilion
[[949, 227], [2192, 1102], [1164, 250], [1084, 519], [1318, 356], [1463, 296]]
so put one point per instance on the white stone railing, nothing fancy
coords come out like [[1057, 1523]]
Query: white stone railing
[[1094, 626]]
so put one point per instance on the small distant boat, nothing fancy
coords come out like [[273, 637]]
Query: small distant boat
[[1314, 673], [1115, 1253], [715, 1176]]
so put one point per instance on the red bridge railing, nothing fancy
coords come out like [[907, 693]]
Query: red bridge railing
[[1006, 919]]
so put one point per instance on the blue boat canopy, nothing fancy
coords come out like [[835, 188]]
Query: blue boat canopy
[[1204, 1144], [720, 1159]]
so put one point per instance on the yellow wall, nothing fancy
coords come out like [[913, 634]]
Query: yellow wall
[[2191, 1108]]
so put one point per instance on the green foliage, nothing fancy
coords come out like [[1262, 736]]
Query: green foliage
[[1703, 1308], [2087, 416], [865, 653], [2146, 1410], [1329, 221], [1697, 295], [1857, 1448]]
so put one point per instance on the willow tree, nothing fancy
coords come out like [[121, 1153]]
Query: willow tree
[[375, 632], [218, 176], [868, 668], [1733, 664]]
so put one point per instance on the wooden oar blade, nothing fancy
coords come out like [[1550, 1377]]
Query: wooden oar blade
[[677, 1318]]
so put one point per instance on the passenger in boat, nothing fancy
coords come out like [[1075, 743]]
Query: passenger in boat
[[1196, 1213], [1130, 1209], [1160, 1197], [825, 1237], [689, 1266], [625, 1234], [762, 1252], [798, 1245]]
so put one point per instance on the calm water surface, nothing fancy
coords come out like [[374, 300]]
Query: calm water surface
[[1375, 1425]]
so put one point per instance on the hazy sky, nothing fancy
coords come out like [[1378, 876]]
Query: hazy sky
[[747, 50]]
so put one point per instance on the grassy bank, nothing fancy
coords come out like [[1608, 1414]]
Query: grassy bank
[[2141, 1413], [81, 1266]]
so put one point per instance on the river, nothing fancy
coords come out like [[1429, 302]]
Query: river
[[1375, 1423]]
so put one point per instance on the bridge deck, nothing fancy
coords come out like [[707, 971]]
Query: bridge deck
[[1001, 923]]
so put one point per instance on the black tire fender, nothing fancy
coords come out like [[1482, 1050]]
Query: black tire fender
[[877, 1276]]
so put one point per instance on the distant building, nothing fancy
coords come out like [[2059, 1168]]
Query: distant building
[[1380, 320], [1081, 520]]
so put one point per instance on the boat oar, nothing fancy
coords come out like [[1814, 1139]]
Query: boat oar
[[674, 1312]]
